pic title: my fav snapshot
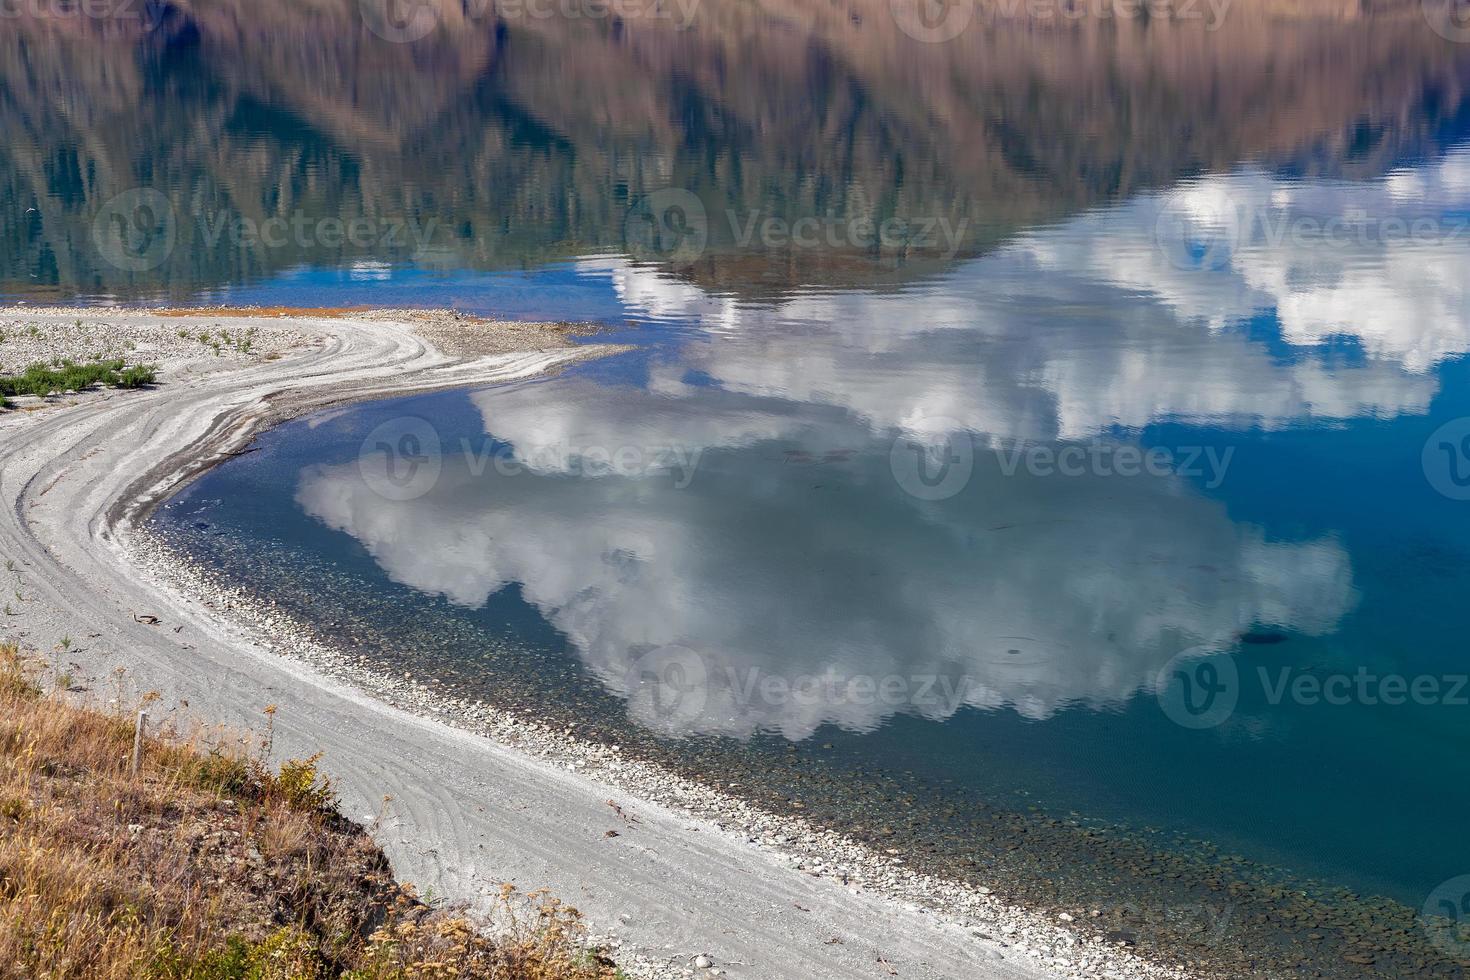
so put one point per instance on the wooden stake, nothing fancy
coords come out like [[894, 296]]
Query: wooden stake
[[138, 741]]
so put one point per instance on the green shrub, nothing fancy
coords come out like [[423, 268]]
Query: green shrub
[[136, 376], [43, 380], [303, 787], [286, 954]]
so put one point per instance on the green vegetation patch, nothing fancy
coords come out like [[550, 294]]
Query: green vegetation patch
[[47, 379]]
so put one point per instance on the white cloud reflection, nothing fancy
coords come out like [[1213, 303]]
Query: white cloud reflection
[[1037, 594]]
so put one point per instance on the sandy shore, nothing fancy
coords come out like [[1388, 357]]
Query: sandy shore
[[476, 798]]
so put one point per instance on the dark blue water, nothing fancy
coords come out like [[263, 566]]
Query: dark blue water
[[1045, 452]]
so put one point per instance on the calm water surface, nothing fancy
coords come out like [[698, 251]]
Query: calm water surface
[[1119, 487]]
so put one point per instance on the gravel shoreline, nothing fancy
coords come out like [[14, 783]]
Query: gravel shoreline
[[800, 846], [183, 343]]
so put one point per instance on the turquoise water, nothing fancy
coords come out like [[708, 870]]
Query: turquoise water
[[1043, 452]]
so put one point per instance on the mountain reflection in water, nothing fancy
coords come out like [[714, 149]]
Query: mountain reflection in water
[[508, 141]]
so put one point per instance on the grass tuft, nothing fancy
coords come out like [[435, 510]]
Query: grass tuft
[[43, 380]]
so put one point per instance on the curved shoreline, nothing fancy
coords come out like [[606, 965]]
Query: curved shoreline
[[685, 877]]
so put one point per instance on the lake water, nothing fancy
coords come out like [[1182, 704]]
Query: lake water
[[1045, 452]]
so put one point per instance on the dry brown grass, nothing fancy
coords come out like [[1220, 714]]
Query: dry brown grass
[[209, 865]]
